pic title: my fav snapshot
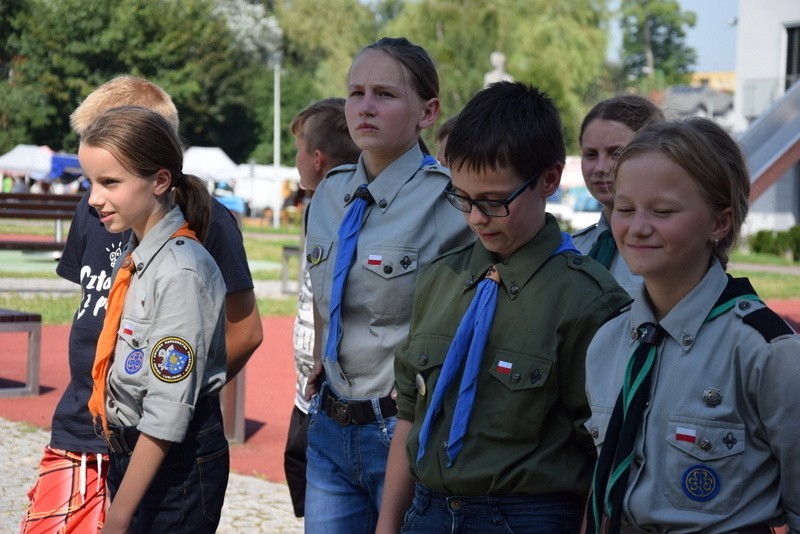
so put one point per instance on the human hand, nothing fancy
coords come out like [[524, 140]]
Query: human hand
[[312, 386]]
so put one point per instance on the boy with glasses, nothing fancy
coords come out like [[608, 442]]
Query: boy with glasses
[[490, 380]]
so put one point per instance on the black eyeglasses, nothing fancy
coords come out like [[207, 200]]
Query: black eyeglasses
[[490, 208]]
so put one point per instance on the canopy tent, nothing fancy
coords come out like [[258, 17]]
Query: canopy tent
[[27, 160], [208, 163], [62, 164]]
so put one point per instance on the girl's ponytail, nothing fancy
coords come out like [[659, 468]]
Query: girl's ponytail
[[194, 201]]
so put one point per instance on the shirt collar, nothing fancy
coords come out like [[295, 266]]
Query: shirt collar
[[385, 187], [143, 252], [684, 321], [517, 270]]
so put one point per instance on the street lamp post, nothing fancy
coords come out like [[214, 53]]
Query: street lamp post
[[276, 143]]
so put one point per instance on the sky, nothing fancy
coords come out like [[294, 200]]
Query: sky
[[713, 37]]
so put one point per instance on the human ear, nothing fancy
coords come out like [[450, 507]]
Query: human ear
[[551, 179], [162, 182], [429, 113], [723, 222], [319, 160]]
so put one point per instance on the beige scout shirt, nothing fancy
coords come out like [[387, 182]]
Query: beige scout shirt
[[718, 447], [408, 225], [171, 345], [586, 238]]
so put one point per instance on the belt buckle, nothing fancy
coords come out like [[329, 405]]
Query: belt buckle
[[340, 413]]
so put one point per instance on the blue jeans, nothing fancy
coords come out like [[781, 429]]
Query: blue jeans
[[187, 493], [344, 473], [435, 513]]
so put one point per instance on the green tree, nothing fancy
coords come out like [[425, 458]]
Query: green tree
[[653, 40], [182, 45], [556, 46]]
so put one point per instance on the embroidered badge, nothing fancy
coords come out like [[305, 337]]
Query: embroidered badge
[[729, 440], [688, 435], [316, 255], [405, 263], [504, 367], [172, 359], [374, 259], [421, 388], [133, 363], [127, 330], [535, 376], [700, 483]]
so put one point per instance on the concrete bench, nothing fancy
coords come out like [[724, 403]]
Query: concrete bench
[[17, 321]]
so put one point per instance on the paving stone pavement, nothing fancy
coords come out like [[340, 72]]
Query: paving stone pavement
[[251, 504]]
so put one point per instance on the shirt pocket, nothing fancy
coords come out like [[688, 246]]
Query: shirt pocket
[[704, 464], [131, 355], [516, 398], [318, 252], [389, 286], [427, 355]]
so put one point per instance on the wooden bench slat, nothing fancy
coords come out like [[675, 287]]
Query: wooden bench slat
[[14, 316]]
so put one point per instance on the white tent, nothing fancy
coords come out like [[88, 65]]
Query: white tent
[[262, 186], [27, 160], [208, 163]]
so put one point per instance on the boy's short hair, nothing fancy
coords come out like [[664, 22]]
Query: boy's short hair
[[324, 127], [123, 91], [444, 130], [510, 125]]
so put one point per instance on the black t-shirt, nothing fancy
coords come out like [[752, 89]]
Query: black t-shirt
[[88, 259]]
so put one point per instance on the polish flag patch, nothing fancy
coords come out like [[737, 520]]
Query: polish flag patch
[[688, 435], [127, 330], [504, 367], [374, 259]]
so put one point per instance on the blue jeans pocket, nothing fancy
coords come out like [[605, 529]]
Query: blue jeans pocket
[[213, 471]]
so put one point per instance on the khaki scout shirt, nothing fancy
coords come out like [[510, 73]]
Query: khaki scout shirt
[[718, 449], [409, 224], [525, 434], [171, 345], [586, 238]]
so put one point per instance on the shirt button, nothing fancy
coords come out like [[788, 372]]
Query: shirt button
[[140, 267], [578, 261], [111, 403], [595, 432], [637, 462], [634, 335], [456, 504], [687, 340], [744, 305], [423, 359], [514, 289], [382, 204], [387, 269], [705, 444], [347, 198], [443, 446], [179, 242]]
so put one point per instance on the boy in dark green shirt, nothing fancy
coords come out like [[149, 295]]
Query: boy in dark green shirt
[[491, 378]]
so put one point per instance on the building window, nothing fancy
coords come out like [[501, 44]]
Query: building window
[[792, 55]]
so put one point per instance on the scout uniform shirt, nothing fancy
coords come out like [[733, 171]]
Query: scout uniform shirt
[[408, 224], [583, 241], [525, 433], [718, 446], [171, 345]]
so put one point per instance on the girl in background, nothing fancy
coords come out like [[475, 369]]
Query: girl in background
[[373, 225], [160, 359], [605, 131], [693, 388]]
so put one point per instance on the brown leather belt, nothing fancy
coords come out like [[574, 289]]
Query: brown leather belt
[[355, 412]]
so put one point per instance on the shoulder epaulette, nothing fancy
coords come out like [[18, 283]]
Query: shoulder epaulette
[[765, 321], [585, 230], [347, 167], [437, 168], [768, 323]]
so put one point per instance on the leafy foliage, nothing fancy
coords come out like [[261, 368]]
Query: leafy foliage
[[653, 38]]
